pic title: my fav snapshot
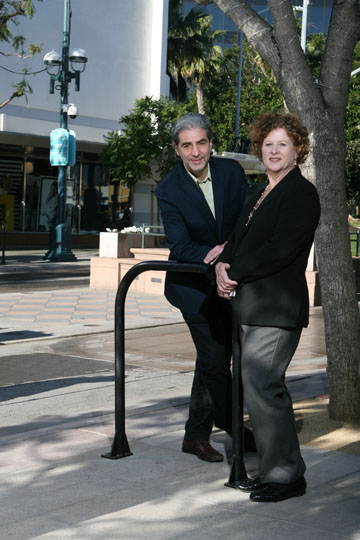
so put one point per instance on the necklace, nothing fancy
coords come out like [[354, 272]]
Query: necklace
[[257, 204]]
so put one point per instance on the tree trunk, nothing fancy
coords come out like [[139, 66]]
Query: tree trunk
[[199, 98], [321, 107], [337, 281], [182, 89]]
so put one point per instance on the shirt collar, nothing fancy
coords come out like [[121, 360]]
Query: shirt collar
[[207, 178]]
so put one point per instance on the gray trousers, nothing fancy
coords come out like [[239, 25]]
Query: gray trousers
[[265, 355]]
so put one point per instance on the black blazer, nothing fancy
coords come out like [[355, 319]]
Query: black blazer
[[190, 228], [268, 258]]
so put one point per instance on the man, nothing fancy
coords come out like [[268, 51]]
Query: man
[[200, 201]]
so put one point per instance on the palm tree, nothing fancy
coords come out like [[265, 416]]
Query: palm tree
[[192, 55]]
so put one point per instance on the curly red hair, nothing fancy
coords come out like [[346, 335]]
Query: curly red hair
[[268, 121]]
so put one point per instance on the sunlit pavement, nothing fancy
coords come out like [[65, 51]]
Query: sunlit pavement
[[57, 418]]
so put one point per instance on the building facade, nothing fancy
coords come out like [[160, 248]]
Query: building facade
[[126, 45], [319, 13], [126, 48]]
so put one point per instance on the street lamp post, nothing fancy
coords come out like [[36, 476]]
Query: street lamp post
[[304, 19], [238, 100], [62, 150]]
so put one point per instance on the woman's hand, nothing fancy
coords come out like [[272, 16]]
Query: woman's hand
[[225, 285]]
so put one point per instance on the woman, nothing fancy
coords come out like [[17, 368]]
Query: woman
[[262, 270]]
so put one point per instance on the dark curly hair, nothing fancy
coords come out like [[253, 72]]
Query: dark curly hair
[[267, 121]]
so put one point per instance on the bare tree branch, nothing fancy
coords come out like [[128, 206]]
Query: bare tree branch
[[257, 31], [18, 55], [14, 95], [4, 19], [335, 70], [294, 75]]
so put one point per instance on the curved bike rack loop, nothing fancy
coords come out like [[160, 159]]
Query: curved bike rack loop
[[120, 446]]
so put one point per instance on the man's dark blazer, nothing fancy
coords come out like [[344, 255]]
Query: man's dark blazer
[[190, 228], [268, 258]]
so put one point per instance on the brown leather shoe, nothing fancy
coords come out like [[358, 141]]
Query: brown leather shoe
[[203, 450]]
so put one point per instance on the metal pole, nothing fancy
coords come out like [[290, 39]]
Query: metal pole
[[238, 471], [120, 447], [304, 19], [3, 244], [60, 237], [23, 201], [238, 100], [64, 101], [304, 24]]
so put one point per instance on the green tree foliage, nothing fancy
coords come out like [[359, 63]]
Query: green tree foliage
[[352, 176], [11, 12], [315, 46], [192, 53], [259, 91], [314, 53], [352, 132], [142, 148]]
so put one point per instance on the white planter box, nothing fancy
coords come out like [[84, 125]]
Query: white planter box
[[116, 245]]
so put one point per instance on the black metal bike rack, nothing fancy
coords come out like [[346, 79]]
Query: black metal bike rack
[[238, 471], [120, 446]]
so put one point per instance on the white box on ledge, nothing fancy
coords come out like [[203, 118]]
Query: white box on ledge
[[109, 245], [115, 245]]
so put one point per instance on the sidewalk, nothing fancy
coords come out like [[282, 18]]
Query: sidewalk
[[56, 486], [65, 312], [31, 311]]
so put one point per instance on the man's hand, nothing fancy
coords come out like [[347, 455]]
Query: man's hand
[[213, 254], [225, 285]]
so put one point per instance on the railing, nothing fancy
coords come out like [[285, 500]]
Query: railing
[[355, 237], [120, 446], [3, 244], [149, 228]]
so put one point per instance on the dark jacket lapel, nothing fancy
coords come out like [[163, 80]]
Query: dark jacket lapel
[[249, 204], [194, 197], [276, 192], [218, 190]]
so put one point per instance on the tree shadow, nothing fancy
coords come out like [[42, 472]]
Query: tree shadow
[[27, 389], [21, 334], [158, 491]]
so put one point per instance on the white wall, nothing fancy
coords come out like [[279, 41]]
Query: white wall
[[126, 45]]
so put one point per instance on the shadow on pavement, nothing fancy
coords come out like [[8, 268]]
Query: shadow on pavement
[[21, 334], [35, 388]]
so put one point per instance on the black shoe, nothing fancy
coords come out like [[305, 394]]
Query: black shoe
[[273, 492], [203, 450], [249, 484]]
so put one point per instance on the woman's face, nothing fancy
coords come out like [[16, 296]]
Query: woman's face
[[278, 151]]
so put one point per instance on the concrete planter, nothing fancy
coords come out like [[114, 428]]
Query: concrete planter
[[117, 245]]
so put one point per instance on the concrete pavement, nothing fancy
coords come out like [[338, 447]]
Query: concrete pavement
[[57, 405]]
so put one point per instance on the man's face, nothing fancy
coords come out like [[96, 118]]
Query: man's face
[[194, 148]]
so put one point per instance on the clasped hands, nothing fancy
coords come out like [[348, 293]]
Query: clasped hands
[[225, 285]]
